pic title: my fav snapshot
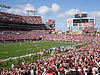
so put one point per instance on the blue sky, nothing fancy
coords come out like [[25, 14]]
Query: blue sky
[[58, 10]]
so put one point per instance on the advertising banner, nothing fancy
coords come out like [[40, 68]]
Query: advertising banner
[[85, 24], [69, 22]]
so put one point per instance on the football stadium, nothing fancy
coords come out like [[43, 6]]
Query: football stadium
[[28, 46]]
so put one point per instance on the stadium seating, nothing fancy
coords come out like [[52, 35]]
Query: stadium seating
[[17, 19], [80, 61]]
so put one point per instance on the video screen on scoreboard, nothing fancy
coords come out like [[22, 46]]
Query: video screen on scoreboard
[[80, 15], [80, 20]]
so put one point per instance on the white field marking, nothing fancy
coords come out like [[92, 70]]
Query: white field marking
[[18, 50], [4, 52], [22, 50], [29, 54], [29, 48]]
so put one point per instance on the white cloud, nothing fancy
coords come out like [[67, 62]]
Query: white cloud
[[16, 11], [28, 7], [10, 10], [44, 10], [94, 14], [72, 12], [22, 9], [55, 8], [44, 18], [61, 15]]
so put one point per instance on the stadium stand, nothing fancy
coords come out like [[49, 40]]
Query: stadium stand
[[80, 61], [19, 28]]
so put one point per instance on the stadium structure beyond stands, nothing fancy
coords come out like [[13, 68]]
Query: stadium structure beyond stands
[[17, 28]]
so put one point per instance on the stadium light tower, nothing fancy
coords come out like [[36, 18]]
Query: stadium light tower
[[31, 11], [28, 12], [34, 12]]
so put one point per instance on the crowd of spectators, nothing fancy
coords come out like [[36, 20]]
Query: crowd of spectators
[[17, 19], [80, 61], [72, 38], [32, 19], [22, 35], [44, 35]]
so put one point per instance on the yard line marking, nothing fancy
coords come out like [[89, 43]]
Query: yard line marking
[[4, 52], [18, 50]]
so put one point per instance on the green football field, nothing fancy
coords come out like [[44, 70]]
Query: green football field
[[19, 49]]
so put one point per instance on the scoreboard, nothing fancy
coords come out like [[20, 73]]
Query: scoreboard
[[81, 22]]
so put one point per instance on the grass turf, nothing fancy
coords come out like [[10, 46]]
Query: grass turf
[[19, 49]]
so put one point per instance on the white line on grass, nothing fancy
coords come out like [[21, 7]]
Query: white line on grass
[[4, 52]]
